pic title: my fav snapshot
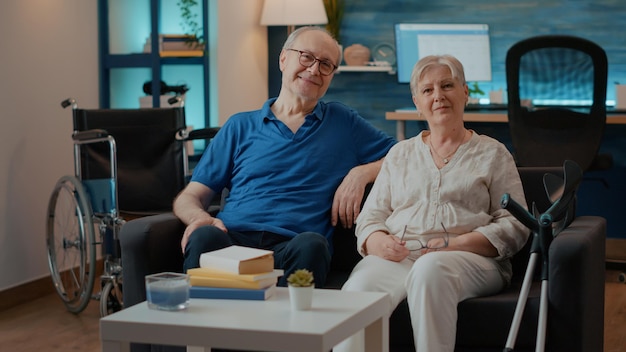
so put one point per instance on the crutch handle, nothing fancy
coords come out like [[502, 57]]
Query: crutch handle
[[519, 212]]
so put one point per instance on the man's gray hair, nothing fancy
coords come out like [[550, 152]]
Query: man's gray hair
[[294, 35]]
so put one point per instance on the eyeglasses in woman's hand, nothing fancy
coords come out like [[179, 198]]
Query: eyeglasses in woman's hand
[[429, 244]]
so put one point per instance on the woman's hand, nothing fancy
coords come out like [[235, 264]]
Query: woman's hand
[[386, 246]]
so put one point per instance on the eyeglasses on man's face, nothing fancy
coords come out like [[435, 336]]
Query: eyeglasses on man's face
[[307, 59], [421, 245]]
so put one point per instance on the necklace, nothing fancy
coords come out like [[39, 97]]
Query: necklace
[[446, 159]]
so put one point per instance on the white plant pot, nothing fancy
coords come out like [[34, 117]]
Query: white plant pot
[[301, 298]]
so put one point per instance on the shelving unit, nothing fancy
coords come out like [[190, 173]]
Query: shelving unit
[[152, 61], [345, 68]]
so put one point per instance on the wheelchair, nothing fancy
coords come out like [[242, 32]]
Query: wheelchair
[[128, 163]]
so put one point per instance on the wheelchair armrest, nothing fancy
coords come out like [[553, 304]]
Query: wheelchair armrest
[[90, 134], [203, 133], [149, 245]]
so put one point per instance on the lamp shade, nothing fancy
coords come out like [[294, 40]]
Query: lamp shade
[[293, 12]]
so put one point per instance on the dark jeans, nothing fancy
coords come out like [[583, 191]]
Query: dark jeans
[[307, 250]]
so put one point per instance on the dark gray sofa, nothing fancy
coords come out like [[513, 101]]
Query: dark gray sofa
[[576, 282]]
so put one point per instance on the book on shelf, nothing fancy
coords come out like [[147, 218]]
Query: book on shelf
[[231, 293], [176, 45], [181, 45], [205, 281], [239, 260], [217, 273], [181, 53]]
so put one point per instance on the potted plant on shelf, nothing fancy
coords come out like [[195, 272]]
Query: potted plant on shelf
[[300, 284], [195, 38], [334, 12]]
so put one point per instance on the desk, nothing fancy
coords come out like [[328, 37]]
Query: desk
[[500, 116], [268, 325]]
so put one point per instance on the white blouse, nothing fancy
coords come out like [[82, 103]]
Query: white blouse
[[464, 195]]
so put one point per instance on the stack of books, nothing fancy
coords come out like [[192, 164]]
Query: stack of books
[[235, 272], [176, 45]]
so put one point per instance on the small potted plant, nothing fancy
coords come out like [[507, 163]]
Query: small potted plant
[[301, 289], [474, 91], [195, 39]]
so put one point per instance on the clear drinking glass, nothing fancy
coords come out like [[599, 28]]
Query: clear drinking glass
[[167, 291]]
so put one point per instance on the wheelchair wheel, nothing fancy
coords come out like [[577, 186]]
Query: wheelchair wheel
[[111, 298], [71, 243]]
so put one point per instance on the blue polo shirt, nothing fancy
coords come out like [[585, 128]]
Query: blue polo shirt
[[283, 182]]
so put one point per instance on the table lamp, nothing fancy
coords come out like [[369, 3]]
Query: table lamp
[[293, 13]]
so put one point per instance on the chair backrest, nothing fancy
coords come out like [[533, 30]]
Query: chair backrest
[[150, 165], [556, 100]]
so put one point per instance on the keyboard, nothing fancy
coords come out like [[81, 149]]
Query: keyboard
[[476, 107]]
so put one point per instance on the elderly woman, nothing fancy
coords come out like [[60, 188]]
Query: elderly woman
[[432, 229]]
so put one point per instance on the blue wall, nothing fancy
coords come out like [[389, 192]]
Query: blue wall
[[370, 22]]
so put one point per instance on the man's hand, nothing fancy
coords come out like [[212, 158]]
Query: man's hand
[[349, 194], [190, 207], [347, 201], [386, 246], [196, 224]]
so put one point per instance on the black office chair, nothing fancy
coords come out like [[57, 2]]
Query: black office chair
[[557, 101]]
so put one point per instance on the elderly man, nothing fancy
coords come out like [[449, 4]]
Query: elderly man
[[294, 169]]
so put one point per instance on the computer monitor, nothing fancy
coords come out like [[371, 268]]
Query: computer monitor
[[467, 42]]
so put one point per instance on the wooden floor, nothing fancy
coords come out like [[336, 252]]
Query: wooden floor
[[45, 325]]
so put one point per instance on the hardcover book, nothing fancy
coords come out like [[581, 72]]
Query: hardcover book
[[181, 53], [231, 293], [205, 281], [239, 260], [217, 273]]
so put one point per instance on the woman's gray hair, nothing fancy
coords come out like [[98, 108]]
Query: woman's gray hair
[[455, 66], [294, 35]]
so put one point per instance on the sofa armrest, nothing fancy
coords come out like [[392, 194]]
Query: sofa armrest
[[149, 245], [576, 286]]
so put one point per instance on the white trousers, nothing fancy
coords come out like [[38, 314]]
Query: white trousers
[[434, 284]]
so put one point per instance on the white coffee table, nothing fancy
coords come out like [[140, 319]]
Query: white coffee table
[[268, 325]]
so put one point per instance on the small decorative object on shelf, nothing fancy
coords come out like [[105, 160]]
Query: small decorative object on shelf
[[620, 96], [496, 96], [356, 55], [301, 289], [384, 53]]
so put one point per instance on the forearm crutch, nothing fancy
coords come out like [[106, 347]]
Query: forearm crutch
[[541, 226]]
